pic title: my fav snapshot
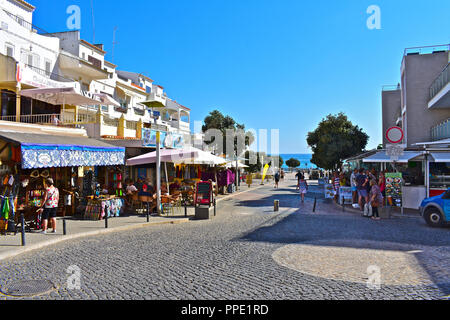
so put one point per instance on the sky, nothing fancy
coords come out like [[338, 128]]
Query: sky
[[268, 64]]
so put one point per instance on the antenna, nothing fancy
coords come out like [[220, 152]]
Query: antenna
[[114, 43], [93, 21]]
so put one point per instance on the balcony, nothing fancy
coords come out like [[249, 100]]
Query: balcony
[[441, 131], [440, 90]]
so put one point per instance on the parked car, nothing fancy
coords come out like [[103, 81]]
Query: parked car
[[436, 210]]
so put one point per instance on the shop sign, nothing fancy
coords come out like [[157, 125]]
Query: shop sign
[[329, 191], [168, 139], [30, 77], [204, 193], [395, 151], [394, 182]]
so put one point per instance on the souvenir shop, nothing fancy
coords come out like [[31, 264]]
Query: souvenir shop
[[74, 163]]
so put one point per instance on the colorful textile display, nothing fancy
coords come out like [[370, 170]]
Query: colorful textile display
[[99, 209]]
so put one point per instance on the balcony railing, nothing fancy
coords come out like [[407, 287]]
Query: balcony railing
[[51, 75], [427, 49], [441, 131], [111, 122], [52, 119], [440, 82], [391, 88], [26, 24], [131, 125]]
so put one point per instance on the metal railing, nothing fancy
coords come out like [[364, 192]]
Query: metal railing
[[131, 125], [111, 122], [427, 49], [391, 87], [27, 25], [440, 82], [441, 131], [54, 119], [51, 75]]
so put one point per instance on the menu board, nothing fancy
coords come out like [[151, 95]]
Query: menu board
[[394, 183], [204, 191], [329, 191]]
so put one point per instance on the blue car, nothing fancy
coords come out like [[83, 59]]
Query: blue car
[[436, 210]]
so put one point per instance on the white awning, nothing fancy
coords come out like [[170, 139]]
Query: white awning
[[441, 156], [382, 157], [60, 96], [106, 100]]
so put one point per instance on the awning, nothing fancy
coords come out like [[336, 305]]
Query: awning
[[52, 151], [189, 155], [60, 96], [382, 157], [441, 156], [106, 100]]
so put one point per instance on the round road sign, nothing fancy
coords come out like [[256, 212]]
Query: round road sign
[[395, 135]]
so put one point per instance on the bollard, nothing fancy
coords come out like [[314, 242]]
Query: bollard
[[215, 205], [64, 226], [276, 205], [148, 212], [185, 209], [315, 203], [106, 222], [22, 220]]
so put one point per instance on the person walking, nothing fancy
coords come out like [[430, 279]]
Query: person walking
[[382, 184], [51, 201], [353, 185], [277, 179], [303, 186], [298, 176], [376, 199], [249, 180], [361, 185], [337, 185]]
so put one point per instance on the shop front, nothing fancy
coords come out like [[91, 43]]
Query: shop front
[[424, 173], [75, 163]]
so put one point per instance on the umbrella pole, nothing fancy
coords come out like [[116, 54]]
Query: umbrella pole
[[167, 178], [158, 173]]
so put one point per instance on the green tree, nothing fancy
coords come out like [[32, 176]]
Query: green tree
[[216, 120], [293, 163], [334, 140]]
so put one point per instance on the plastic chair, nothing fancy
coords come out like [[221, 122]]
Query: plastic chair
[[167, 205]]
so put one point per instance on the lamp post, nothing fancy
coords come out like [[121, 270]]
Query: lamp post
[[158, 171]]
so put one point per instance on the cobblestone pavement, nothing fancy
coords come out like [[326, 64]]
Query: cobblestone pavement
[[249, 252]]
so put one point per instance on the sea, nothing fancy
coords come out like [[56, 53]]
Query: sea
[[305, 160]]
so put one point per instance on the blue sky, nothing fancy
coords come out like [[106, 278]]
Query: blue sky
[[269, 64]]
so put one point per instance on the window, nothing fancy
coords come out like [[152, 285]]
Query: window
[[48, 67], [9, 50], [148, 89]]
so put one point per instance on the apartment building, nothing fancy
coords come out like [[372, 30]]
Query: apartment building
[[420, 105]]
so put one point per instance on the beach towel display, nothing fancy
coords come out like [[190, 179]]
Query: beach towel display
[[98, 209]]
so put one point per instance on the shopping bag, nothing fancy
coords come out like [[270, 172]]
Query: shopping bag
[[368, 210]]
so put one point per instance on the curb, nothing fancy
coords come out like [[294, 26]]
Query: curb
[[41, 245], [238, 193], [393, 215]]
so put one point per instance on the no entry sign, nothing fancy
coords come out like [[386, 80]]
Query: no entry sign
[[395, 135]]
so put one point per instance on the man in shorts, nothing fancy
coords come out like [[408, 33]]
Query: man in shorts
[[361, 184]]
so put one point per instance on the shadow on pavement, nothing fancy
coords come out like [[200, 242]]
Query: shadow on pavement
[[399, 233]]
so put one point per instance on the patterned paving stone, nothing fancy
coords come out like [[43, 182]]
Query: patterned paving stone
[[231, 256]]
